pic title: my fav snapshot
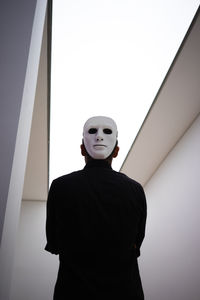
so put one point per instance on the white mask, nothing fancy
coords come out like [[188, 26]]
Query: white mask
[[100, 136]]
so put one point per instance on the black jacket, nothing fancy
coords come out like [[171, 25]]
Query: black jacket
[[96, 223]]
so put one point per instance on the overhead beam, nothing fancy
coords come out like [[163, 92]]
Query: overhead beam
[[174, 109]]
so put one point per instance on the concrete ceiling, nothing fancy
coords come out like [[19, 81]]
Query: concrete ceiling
[[176, 106]]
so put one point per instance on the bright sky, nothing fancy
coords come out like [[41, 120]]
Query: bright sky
[[109, 58]]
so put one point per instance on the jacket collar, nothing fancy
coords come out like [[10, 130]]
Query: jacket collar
[[97, 163]]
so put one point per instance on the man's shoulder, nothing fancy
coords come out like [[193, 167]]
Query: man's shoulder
[[68, 177], [126, 178]]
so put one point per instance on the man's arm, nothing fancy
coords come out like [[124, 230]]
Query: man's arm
[[142, 223], [52, 245]]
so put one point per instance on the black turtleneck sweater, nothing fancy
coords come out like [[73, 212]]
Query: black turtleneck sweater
[[96, 223]]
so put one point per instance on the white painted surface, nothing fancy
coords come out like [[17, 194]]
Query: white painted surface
[[35, 269], [170, 263], [28, 88]]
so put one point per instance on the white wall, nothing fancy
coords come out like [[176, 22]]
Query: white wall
[[170, 261], [14, 51], [22, 30], [35, 270]]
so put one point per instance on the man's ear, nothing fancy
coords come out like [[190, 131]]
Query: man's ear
[[115, 152], [83, 150]]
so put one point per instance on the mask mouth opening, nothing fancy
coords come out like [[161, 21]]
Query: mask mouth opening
[[100, 145], [109, 158]]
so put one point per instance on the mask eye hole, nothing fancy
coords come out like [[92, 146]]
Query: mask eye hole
[[92, 131], [107, 131]]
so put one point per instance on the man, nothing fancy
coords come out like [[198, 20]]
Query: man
[[96, 223]]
